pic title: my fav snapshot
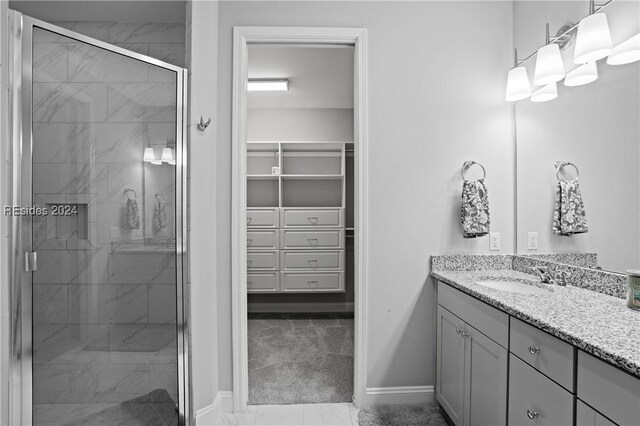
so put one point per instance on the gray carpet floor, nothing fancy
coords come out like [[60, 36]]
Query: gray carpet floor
[[402, 415], [300, 360]]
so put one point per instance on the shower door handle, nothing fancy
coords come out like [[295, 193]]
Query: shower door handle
[[31, 261]]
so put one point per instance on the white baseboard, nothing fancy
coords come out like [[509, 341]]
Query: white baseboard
[[299, 307], [399, 395], [210, 415]]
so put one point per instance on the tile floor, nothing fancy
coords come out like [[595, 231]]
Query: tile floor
[[342, 414]]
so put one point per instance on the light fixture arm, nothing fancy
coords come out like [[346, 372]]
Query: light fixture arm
[[547, 37]]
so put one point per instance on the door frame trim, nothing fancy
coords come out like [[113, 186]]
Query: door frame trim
[[20, 228], [242, 36]]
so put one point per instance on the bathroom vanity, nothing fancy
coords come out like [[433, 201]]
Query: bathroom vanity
[[558, 356]]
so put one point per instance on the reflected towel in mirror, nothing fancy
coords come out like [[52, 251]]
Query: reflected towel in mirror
[[568, 213], [159, 215], [475, 209], [132, 215]]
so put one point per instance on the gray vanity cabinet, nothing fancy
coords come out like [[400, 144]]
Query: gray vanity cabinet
[[587, 416], [471, 382]]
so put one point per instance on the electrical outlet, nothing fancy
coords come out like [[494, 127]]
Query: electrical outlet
[[532, 241], [494, 241]]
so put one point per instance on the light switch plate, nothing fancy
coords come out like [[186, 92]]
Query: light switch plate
[[532, 241], [494, 241]]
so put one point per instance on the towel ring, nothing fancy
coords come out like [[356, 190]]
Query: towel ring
[[128, 191], [467, 165], [158, 195], [561, 165]]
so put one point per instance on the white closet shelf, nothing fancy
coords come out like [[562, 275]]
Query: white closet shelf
[[262, 177], [312, 177]]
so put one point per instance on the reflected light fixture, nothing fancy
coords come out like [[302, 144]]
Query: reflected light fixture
[[167, 155], [267, 85], [518, 86], [593, 39], [626, 52], [545, 93], [584, 74], [173, 158], [149, 155], [549, 65]]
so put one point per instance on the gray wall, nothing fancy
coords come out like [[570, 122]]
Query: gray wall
[[437, 72]]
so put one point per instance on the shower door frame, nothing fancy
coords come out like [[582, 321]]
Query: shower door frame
[[21, 28]]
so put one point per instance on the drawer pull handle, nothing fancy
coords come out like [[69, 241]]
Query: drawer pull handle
[[465, 335], [249, 220], [312, 282], [534, 350], [532, 414], [458, 331], [311, 241], [249, 240], [249, 261], [313, 219], [249, 282], [312, 261]]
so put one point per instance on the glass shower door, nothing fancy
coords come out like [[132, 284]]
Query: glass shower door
[[106, 297]]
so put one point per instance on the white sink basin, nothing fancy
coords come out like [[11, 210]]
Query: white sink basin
[[513, 286]]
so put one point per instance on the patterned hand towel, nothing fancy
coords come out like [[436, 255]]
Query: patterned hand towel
[[475, 209], [132, 216], [159, 215], [568, 214]]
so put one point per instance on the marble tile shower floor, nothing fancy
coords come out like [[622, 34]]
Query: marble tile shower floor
[[300, 359]]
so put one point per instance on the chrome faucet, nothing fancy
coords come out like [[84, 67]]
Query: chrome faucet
[[543, 273], [559, 278]]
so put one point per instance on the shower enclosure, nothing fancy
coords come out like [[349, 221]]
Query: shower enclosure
[[98, 252]]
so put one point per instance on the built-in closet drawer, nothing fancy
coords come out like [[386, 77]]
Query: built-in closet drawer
[[294, 282], [311, 218], [609, 390], [534, 399], [263, 260], [263, 240], [294, 239], [484, 318], [263, 282], [312, 259], [262, 218], [546, 353]]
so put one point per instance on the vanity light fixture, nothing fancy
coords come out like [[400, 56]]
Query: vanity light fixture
[[267, 85], [626, 52], [149, 155], [549, 65], [518, 86], [545, 93], [167, 155], [593, 40], [584, 74]]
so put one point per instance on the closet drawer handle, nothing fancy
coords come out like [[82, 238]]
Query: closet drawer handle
[[532, 414], [249, 219], [249, 240], [312, 261], [312, 282], [313, 219], [534, 350], [311, 241], [249, 261], [249, 282]]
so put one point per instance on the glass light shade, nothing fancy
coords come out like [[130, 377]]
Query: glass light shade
[[626, 52], [593, 40], [149, 156], [173, 158], [167, 156], [584, 74], [518, 87], [546, 93], [267, 85], [549, 65]]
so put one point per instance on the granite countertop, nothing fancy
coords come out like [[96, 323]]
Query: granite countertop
[[599, 324]]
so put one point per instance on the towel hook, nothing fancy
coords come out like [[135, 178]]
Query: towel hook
[[202, 125], [562, 164], [467, 165], [128, 192]]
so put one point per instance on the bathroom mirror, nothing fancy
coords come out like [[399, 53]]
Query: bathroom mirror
[[594, 126]]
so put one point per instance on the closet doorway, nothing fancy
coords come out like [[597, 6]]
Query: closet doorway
[[298, 258]]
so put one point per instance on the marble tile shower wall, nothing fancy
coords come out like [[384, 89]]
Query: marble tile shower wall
[[103, 312]]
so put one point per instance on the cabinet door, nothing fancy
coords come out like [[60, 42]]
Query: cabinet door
[[450, 365], [485, 386], [587, 416]]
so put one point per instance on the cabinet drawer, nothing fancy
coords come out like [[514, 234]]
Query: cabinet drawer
[[536, 400], [311, 239], [263, 260], [546, 353], [294, 282], [262, 218], [312, 260], [264, 240], [263, 282], [612, 392], [486, 319], [311, 218]]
